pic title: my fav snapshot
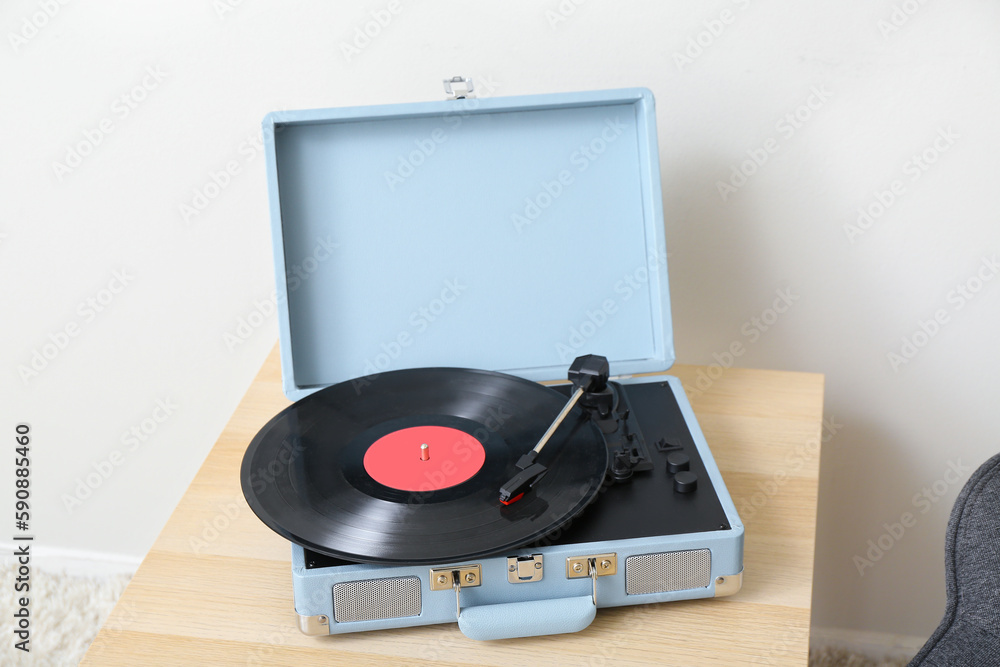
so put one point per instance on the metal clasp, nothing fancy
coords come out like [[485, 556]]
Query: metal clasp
[[522, 569], [598, 565], [592, 566], [577, 566], [465, 576], [459, 87]]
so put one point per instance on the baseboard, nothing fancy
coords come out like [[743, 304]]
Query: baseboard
[[877, 645], [75, 562]]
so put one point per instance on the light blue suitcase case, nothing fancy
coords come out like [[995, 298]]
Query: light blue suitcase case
[[509, 234]]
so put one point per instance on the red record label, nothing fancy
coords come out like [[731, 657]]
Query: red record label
[[424, 458]]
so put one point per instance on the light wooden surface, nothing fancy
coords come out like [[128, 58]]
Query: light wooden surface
[[216, 587]]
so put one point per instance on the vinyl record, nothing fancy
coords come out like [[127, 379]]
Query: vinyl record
[[407, 467]]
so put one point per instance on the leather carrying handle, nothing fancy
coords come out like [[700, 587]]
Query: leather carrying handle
[[527, 619]]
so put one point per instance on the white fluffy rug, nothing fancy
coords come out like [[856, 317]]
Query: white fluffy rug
[[66, 613]]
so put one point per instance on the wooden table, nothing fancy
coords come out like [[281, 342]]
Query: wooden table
[[216, 587]]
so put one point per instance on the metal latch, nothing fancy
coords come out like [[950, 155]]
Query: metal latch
[[459, 87], [466, 576], [578, 567], [522, 569], [598, 565]]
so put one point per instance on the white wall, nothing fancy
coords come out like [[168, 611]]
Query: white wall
[[882, 99]]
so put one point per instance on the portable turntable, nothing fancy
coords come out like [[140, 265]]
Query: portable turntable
[[518, 235]]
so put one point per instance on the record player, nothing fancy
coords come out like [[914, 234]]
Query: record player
[[475, 326]]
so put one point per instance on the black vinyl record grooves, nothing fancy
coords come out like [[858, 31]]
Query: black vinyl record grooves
[[304, 474]]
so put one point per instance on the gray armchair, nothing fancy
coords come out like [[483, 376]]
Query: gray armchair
[[969, 634]]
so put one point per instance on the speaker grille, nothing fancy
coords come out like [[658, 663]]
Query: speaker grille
[[668, 571], [376, 599]]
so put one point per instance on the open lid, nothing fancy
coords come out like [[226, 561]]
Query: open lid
[[509, 234]]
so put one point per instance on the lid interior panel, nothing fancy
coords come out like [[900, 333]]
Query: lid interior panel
[[512, 240]]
